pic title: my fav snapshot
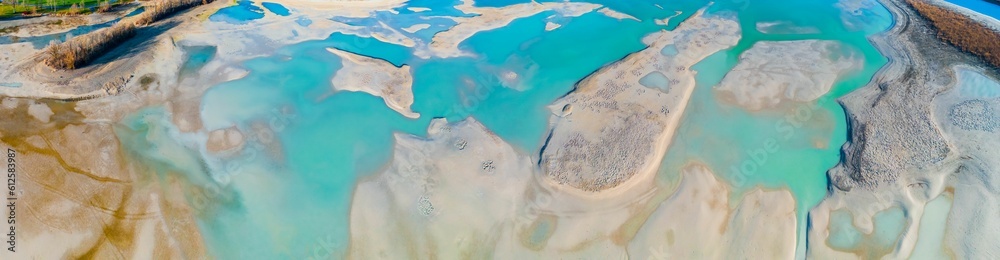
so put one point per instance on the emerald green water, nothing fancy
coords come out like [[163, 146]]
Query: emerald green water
[[288, 194]]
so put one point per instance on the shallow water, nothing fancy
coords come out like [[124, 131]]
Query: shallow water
[[307, 148], [789, 147], [41, 41], [276, 8], [932, 228], [195, 58], [243, 12], [976, 85]]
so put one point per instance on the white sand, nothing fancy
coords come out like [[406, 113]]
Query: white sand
[[40, 111], [9, 103], [463, 192], [377, 77], [418, 9], [416, 27], [771, 73], [611, 128], [447, 195], [549, 26], [697, 222], [617, 15]]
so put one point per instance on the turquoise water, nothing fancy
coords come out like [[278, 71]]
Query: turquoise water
[[980, 6], [843, 235], [41, 41], [976, 85], [932, 229], [887, 225], [788, 147], [195, 58], [303, 21], [136, 11], [276, 8], [243, 12], [669, 50], [320, 147], [307, 149]]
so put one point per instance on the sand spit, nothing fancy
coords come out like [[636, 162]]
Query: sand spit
[[549, 26], [377, 77], [770, 73], [416, 27], [352, 8], [617, 15], [697, 222], [611, 128], [912, 139], [445, 43]]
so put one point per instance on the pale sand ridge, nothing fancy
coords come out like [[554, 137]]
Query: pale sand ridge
[[772, 73], [378, 78]]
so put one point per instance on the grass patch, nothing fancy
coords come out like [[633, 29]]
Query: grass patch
[[11, 8], [961, 31]]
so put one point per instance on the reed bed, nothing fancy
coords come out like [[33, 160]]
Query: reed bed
[[961, 31], [81, 50]]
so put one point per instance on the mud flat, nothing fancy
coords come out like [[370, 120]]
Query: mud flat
[[462, 191], [456, 186], [377, 77], [912, 139], [770, 73], [480, 197], [86, 194], [698, 221], [612, 128]]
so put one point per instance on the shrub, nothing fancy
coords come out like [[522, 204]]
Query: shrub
[[80, 50], [104, 7], [961, 31]]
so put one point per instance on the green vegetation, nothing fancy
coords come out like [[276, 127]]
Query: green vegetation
[[11, 8]]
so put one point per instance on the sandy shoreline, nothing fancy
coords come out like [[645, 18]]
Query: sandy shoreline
[[897, 112], [438, 206], [462, 191], [612, 128]]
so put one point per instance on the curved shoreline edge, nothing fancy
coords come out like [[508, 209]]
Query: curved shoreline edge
[[903, 151]]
